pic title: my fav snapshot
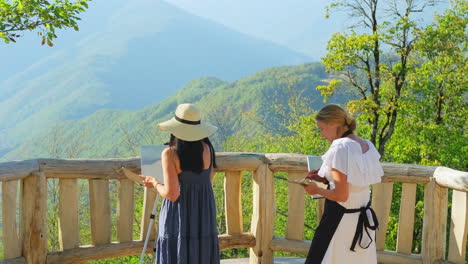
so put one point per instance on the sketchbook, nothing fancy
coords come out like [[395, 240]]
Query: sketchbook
[[313, 163], [151, 161]]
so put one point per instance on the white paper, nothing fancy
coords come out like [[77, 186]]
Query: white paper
[[151, 161], [314, 162]]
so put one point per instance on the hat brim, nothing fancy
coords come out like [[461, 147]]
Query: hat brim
[[188, 132]]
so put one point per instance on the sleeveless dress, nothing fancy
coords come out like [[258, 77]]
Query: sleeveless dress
[[346, 233], [187, 227]]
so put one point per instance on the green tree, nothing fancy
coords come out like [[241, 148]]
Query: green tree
[[373, 60], [436, 103], [20, 15]]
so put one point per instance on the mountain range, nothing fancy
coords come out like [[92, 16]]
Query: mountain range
[[252, 105], [145, 52]]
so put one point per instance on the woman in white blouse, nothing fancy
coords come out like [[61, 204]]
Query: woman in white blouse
[[346, 233]]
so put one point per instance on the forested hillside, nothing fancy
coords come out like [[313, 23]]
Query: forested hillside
[[241, 107], [144, 52]]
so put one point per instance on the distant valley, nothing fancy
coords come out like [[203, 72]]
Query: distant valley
[[238, 107], [146, 52]]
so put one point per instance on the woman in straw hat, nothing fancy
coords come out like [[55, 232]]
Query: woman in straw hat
[[346, 233], [187, 221]]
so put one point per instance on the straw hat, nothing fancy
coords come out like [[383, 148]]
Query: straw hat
[[186, 124]]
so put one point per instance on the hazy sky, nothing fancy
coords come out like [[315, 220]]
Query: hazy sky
[[293, 23], [297, 24]]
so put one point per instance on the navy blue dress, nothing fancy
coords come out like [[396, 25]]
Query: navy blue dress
[[187, 227]]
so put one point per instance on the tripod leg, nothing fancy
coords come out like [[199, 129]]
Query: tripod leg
[[150, 225]]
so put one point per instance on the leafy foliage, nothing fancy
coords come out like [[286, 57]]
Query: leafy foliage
[[436, 107], [375, 61], [41, 15]]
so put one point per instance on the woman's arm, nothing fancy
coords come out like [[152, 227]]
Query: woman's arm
[[339, 194], [170, 188]]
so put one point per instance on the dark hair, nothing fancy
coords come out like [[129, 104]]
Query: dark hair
[[191, 153]]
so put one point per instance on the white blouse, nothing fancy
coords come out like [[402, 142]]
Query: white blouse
[[345, 155]]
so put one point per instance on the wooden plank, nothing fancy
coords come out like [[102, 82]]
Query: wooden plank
[[110, 168], [232, 202], [103, 167], [392, 257], [244, 240], [450, 178], [406, 218], [85, 176], [100, 211], [263, 216], [68, 214], [406, 179], [238, 161], [148, 202], [114, 250], [125, 210], [296, 208], [434, 222], [19, 260], [458, 227], [17, 170], [287, 162], [381, 202], [33, 218], [11, 238]]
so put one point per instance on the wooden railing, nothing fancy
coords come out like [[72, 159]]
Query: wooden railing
[[25, 241]]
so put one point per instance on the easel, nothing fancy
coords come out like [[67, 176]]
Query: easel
[[134, 177]]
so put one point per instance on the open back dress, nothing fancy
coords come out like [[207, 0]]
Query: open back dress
[[187, 227]]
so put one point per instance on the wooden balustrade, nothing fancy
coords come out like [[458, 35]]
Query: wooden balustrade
[[26, 241]]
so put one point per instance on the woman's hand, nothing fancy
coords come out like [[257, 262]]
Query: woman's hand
[[313, 175], [149, 181], [311, 188]]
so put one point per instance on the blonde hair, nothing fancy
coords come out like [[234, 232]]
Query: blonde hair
[[334, 114]]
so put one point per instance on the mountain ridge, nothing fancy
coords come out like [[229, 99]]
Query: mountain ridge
[[129, 66], [237, 107]]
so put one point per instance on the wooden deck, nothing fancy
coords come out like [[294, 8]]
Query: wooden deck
[[278, 260]]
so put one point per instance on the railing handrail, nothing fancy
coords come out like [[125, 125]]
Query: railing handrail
[[36, 172], [108, 168]]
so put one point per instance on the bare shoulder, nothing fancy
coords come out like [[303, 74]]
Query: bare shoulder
[[168, 154], [205, 146], [170, 158]]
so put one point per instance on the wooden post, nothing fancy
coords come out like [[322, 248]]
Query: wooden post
[[101, 224], [11, 239], [458, 228], [263, 217], [406, 219], [434, 222], [232, 202], [125, 210], [296, 207], [148, 203], [68, 214], [33, 218], [381, 202]]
